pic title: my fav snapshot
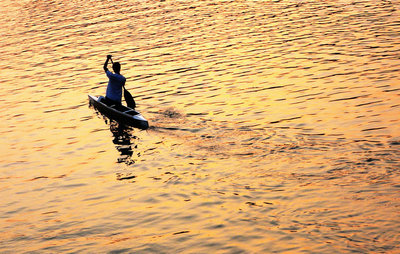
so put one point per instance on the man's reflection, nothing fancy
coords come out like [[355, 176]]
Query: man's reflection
[[123, 142]]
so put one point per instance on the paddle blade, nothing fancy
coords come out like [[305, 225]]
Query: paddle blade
[[129, 99]]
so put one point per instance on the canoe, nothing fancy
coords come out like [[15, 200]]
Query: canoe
[[119, 113]]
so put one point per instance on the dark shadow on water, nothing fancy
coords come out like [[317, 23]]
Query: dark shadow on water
[[122, 139]]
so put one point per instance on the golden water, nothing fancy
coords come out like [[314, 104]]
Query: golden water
[[275, 127]]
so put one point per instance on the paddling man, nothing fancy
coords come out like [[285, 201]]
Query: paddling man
[[115, 83]]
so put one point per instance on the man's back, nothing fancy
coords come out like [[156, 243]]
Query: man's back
[[115, 84]]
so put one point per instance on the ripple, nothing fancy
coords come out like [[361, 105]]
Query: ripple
[[274, 127]]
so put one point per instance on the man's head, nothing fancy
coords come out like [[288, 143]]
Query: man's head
[[116, 67]]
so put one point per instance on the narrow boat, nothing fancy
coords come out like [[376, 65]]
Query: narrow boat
[[119, 113]]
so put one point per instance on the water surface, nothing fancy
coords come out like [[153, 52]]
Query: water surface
[[274, 127]]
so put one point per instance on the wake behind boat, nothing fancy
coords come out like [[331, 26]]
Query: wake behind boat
[[120, 113]]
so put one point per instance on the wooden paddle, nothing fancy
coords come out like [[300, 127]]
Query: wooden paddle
[[130, 102]]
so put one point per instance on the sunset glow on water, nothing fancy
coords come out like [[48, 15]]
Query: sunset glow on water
[[274, 127]]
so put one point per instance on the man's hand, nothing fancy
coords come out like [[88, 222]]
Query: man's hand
[[106, 63]]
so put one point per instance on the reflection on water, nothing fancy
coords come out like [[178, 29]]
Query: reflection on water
[[122, 140], [275, 127]]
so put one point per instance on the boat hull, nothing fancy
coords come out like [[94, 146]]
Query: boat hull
[[121, 114]]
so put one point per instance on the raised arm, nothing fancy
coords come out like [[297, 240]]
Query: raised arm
[[106, 63]]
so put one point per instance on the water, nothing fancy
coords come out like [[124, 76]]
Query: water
[[274, 127]]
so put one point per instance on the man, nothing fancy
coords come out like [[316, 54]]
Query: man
[[115, 83]]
